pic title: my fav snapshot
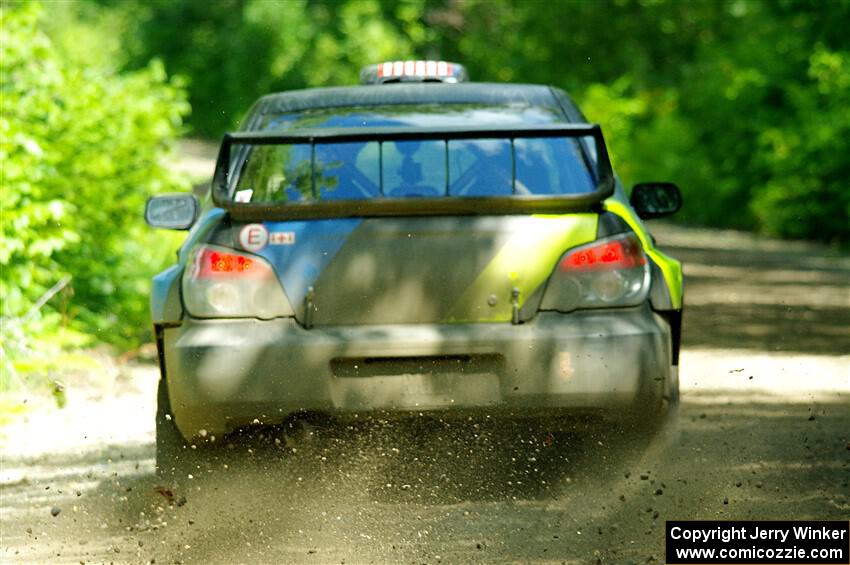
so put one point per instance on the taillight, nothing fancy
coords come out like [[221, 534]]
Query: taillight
[[214, 263], [620, 253], [606, 273], [222, 282]]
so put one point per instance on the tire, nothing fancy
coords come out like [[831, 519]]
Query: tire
[[175, 458], [673, 397], [673, 390], [647, 422]]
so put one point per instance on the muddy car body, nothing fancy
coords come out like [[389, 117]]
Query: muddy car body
[[402, 249]]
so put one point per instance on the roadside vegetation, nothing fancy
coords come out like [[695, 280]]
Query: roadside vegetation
[[83, 146], [745, 104]]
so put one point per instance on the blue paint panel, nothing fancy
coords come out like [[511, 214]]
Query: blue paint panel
[[316, 243]]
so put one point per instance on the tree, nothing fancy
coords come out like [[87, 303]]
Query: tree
[[82, 147]]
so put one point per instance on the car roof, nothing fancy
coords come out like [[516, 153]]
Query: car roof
[[408, 93]]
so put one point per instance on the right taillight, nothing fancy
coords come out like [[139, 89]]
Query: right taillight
[[606, 273], [223, 282]]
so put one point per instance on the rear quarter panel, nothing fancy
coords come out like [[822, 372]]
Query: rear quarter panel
[[670, 267]]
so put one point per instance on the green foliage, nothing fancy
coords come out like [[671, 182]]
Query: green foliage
[[82, 148], [808, 156], [742, 103], [232, 51]]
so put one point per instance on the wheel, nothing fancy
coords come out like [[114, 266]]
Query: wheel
[[656, 415], [672, 398], [667, 410], [175, 458], [673, 388]]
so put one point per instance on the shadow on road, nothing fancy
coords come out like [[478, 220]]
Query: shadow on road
[[768, 327], [743, 292]]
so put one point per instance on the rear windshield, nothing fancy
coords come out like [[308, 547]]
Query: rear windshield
[[409, 169]]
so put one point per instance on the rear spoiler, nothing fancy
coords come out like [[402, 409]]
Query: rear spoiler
[[386, 206]]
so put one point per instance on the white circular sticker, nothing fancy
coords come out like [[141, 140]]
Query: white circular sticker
[[253, 237]]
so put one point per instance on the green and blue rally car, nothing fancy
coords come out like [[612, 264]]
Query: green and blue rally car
[[419, 244]]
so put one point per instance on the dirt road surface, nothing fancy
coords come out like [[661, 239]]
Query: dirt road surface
[[763, 433]]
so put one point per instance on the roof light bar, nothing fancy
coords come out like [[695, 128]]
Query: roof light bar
[[413, 71]]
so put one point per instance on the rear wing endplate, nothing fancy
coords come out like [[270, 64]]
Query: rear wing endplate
[[226, 172]]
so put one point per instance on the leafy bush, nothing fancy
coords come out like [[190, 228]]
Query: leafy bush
[[82, 148]]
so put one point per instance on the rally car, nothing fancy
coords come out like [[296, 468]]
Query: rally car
[[419, 244]]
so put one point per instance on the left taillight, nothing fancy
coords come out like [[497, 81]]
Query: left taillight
[[606, 273], [223, 282]]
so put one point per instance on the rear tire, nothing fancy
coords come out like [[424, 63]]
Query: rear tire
[[674, 386], [668, 411], [672, 398], [651, 419], [175, 458]]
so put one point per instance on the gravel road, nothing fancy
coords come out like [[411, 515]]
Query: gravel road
[[763, 433]]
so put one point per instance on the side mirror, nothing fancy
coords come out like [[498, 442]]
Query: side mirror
[[171, 211], [656, 199]]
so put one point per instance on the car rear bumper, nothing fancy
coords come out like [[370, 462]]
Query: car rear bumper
[[226, 373]]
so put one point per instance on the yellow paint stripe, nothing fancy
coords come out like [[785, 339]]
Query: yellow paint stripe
[[671, 268], [524, 262]]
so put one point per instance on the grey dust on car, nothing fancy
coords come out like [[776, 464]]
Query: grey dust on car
[[415, 245]]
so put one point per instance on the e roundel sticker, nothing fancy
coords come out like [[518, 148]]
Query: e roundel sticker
[[254, 237]]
